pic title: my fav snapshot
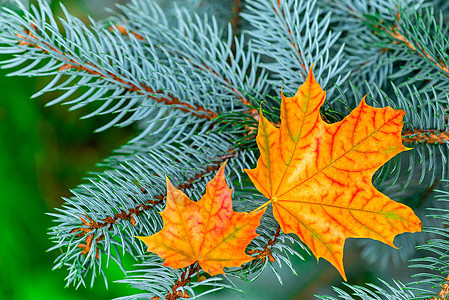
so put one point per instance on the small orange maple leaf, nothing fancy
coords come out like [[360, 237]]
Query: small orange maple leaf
[[318, 176], [209, 231]]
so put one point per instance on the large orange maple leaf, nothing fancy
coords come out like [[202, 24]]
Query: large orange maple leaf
[[209, 231], [318, 176]]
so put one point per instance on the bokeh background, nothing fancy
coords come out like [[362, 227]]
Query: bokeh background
[[45, 151]]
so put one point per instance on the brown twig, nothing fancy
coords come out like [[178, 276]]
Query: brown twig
[[425, 136], [142, 89], [291, 39], [86, 247], [266, 251], [418, 136], [394, 31], [444, 293], [185, 278], [236, 8], [91, 225], [123, 31], [429, 190], [203, 67]]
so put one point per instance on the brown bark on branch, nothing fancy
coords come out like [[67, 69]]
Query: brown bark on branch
[[444, 293], [185, 278], [142, 89], [128, 214], [394, 31], [236, 8], [123, 31], [202, 67], [266, 251], [425, 136], [291, 39]]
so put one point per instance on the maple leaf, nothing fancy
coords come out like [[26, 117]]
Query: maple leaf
[[209, 231], [318, 176]]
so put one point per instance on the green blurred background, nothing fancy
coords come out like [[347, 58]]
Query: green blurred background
[[44, 152]]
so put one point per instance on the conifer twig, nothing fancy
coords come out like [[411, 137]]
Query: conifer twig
[[266, 252], [91, 225], [394, 31], [236, 8], [197, 111], [202, 67], [291, 39], [124, 31], [186, 275], [443, 294], [128, 215], [425, 136]]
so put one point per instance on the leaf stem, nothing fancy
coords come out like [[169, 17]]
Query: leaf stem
[[262, 206]]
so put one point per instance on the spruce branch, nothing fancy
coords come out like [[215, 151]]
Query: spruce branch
[[443, 294], [188, 272], [199, 46], [184, 279], [417, 136], [32, 41], [91, 225], [280, 12], [204, 65], [292, 34], [124, 31], [394, 30], [236, 8], [129, 61], [371, 55], [135, 177], [266, 251], [421, 136], [128, 215]]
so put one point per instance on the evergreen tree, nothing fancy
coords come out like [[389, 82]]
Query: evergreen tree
[[192, 78]]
